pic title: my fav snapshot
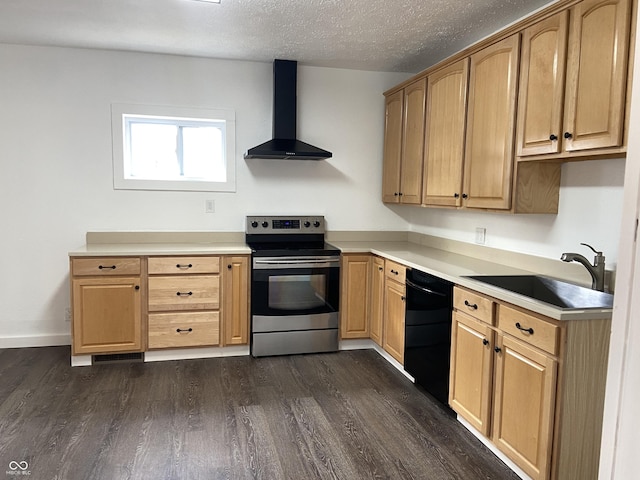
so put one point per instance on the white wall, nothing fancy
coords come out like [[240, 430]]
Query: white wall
[[590, 211], [56, 180]]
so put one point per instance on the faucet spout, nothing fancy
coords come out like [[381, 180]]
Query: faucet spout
[[596, 270]]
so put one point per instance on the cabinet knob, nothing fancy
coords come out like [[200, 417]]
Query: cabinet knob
[[464, 195], [184, 294], [553, 137], [485, 341], [456, 195], [395, 194], [567, 135], [111, 267], [229, 266], [188, 330], [380, 268], [403, 298], [137, 287], [178, 265], [400, 193], [497, 349]]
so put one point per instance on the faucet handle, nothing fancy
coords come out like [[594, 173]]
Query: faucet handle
[[594, 250]]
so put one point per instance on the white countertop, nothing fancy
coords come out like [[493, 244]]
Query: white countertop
[[450, 266], [455, 267]]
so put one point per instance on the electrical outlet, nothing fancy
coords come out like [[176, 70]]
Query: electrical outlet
[[210, 206], [481, 234], [67, 314]]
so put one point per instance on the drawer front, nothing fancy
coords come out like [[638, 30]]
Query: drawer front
[[474, 304], [183, 265], [184, 292], [395, 271], [105, 266], [186, 329], [528, 328]]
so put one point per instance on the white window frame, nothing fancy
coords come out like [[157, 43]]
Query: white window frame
[[119, 112]]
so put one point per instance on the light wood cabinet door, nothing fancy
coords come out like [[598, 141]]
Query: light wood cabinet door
[[471, 370], [596, 74], [489, 146], [393, 336], [413, 142], [235, 301], [394, 108], [354, 297], [542, 81], [106, 315], [524, 399], [444, 135], [377, 300]]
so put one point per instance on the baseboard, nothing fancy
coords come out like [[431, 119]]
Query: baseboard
[[195, 353], [485, 441], [35, 341], [362, 344]]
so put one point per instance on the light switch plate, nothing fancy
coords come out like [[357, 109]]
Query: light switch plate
[[210, 206]]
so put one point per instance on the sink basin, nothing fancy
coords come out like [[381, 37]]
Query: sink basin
[[549, 290]]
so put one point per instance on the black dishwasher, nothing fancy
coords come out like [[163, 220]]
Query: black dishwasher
[[427, 341]]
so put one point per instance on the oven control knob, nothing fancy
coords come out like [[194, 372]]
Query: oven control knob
[[254, 224], [307, 224], [316, 224], [265, 224]]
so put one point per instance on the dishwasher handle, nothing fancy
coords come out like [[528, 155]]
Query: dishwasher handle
[[424, 289]]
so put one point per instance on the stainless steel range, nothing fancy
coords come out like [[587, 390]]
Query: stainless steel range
[[295, 286]]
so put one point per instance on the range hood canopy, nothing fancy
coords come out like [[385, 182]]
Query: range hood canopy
[[284, 144]]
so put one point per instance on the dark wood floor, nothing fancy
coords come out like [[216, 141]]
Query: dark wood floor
[[347, 415]]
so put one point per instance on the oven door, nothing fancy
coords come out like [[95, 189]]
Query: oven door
[[295, 286]]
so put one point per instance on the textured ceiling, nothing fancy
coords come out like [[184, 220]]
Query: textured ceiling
[[393, 35]]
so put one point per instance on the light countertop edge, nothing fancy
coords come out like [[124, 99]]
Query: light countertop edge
[[455, 267], [143, 249]]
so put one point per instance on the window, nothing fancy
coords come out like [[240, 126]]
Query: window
[[172, 148]]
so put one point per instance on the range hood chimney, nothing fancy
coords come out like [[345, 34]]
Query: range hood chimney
[[284, 144]]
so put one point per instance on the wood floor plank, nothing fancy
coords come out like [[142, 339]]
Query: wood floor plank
[[347, 415]]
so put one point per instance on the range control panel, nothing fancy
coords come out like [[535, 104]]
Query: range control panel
[[285, 224]]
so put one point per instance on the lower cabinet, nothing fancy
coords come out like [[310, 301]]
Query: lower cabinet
[[107, 306], [133, 304], [531, 385], [376, 305], [235, 304], [394, 306], [355, 296]]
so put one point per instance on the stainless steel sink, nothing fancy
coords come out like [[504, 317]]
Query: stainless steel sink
[[549, 290]]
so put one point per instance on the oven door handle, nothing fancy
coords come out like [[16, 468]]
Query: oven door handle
[[295, 263]]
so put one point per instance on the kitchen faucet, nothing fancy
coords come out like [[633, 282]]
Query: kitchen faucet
[[596, 270]]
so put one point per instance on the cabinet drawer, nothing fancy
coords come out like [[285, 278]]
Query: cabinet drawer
[[473, 304], [187, 329], [395, 271], [184, 292], [182, 265], [105, 266], [528, 328]]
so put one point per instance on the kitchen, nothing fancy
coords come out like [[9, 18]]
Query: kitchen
[[60, 186]]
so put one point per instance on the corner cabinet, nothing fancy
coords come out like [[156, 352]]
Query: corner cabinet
[[577, 59], [404, 144], [533, 386], [107, 307], [354, 296]]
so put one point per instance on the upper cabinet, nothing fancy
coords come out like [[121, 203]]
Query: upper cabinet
[[576, 59], [444, 135], [478, 130], [490, 125], [404, 143]]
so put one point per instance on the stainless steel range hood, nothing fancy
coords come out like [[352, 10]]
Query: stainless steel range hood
[[284, 144]]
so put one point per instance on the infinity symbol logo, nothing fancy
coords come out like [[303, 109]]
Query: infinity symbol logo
[[13, 465]]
